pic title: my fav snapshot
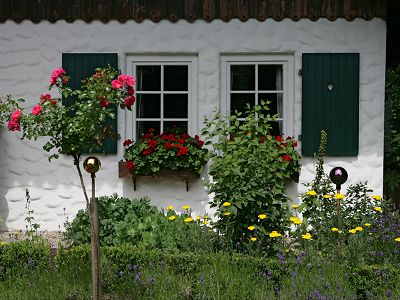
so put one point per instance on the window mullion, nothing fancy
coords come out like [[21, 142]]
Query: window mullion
[[162, 100], [256, 84]]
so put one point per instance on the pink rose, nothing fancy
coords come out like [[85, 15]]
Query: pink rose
[[36, 110], [128, 80], [56, 74], [117, 84], [16, 115], [129, 101], [13, 125], [130, 90]]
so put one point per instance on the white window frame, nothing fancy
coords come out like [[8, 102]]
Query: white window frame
[[192, 62], [287, 62]]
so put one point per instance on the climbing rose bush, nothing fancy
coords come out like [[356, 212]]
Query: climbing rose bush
[[76, 128]]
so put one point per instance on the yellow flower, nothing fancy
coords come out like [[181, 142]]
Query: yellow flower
[[327, 196], [306, 236], [274, 234], [187, 220], [376, 197], [339, 196], [334, 229], [358, 228], [227, 213], [186, 207], [226, 204], [352, 231], [294, 206], [205, 222], [205, 217], [170, 207], [397, 239], [172, 218], [311, 193], [367, 224], [198, 218], [295, 220], [251, 228], [253, 239], [262, 216], [378, 209]]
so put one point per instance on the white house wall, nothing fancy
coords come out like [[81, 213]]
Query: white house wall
[[29, 53]]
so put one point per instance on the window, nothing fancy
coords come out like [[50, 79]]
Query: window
[[249, 79], [165, 93]]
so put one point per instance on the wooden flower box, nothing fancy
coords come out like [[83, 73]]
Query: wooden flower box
[[184, 175]]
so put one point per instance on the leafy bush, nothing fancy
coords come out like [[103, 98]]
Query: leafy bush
[[23, 258], [136, 222], [250, 169], [174, 149]]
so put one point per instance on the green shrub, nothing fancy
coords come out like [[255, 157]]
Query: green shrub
[[136, 222], [23, 258], [250, 169]]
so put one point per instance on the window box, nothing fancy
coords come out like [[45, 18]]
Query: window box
[[184, 175]]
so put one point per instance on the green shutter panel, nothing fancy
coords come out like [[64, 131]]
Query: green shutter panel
[[82, 65], [330, 101]]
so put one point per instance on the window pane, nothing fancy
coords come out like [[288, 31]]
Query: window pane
[[270, 77], [274, 105], [243, 78], [181, 126], [276, 128], [148, 78], [175, 106], [239, 102], [175, 78], [148, 106], [144, 126]]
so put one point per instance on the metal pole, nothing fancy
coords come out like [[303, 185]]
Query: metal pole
[[94, 213]]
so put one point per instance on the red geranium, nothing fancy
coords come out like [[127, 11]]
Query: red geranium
[[127, 142], [152, 143], [181, 141], [147, 151], [130, 165], [182, 151], [168, 145], [286, 157], [185, 136], [279, 138]]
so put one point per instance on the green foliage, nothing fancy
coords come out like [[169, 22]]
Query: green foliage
[[136, 222], [23, 258], [250, 169], [67, 127], [173, 150]]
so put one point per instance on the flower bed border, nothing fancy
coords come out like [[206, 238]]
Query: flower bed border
[[185, 175]]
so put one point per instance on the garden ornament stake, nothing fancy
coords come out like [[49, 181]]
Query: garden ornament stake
[[338, 176], [92, 165]]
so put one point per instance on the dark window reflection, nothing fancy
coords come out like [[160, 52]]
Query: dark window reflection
[[175, 78], [242, 78], [148, 78]]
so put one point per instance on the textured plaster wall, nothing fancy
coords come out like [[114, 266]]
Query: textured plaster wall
[[29, 52]]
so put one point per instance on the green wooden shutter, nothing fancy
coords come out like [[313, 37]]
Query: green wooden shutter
[[335, 109], [82, 65]]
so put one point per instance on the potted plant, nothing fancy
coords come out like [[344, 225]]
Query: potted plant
[[172, 153]]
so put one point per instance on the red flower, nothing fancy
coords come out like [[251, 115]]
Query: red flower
[[104, 102], [151, 130], [56, 74], [129, 101], [200, 143], [16, 115], [168, 145], [128, 80], [45, 97], [177, 146], [185, 136], [147, 151], [182, 151], [295, 144], [171, 137], [13, 125], [279, 138], [181, 141], [65, 79], [36, 110], [117, 84], [152, 143], [127, 142], [130, 91], [130, 165], [286, 157]]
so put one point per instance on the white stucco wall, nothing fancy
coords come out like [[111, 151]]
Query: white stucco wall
[[29, 52]]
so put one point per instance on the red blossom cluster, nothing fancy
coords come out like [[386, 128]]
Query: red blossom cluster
[[125, 82], [282, 145], [13, 124], [58, 73]]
